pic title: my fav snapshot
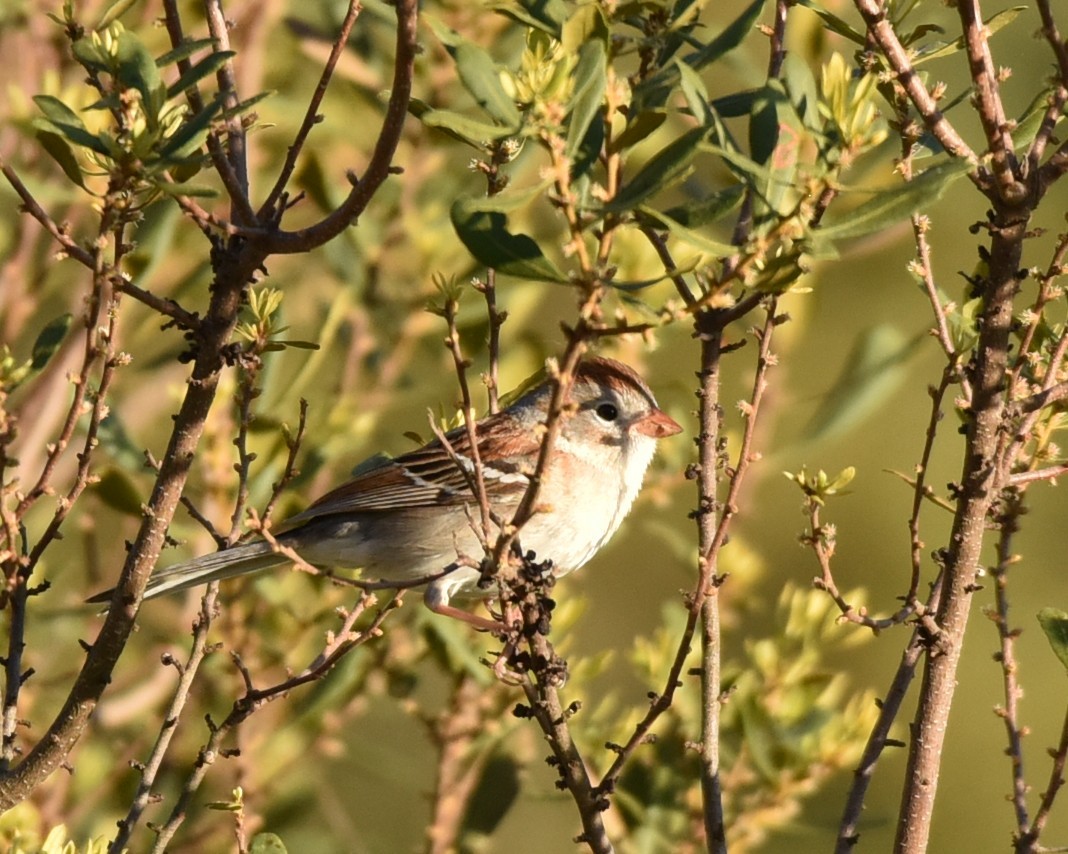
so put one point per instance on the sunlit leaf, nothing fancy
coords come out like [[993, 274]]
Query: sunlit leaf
[[638, 128], [114, 12], [136, 69], [266, 843], [191, 135], [1054, 623]]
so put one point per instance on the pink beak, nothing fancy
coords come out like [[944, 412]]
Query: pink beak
[[657, 424]]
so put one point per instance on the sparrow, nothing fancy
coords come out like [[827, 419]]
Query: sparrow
[[413, 517]]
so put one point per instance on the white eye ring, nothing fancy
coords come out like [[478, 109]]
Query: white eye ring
[[607, 411]]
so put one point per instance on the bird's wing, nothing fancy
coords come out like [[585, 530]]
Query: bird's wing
[[430, 477]]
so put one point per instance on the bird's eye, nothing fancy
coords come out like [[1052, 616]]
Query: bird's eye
[[607, 412]]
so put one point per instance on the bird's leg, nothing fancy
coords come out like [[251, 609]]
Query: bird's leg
[[481, 623]]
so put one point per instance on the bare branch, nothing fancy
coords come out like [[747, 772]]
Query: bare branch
[[882, 32], [380, 166]]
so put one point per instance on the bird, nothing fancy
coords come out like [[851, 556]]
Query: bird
[[412, 517]]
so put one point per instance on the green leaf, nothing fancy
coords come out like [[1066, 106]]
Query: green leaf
[[588, 97], [266, 843], [686, 235], [479, 74], [654, 91], [876, 365], [185, 50], [208, 65], [695, 93], [465, 129], [729, 38], [118, 491], [1054, 623], [638, 128], [136, 69], [668, 166], [184, 188], [545, 15], [485, 234], [191, 135], [992, 24], [834, 23], [708, 210], [114, 12], [892, 206], [61, 152], [68, 124], [244, 106], [49, 341], [586, 25]]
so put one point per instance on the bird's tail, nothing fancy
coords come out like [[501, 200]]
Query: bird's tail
[[239, 560]]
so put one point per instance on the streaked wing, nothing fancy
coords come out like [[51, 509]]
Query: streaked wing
[[429, 477]]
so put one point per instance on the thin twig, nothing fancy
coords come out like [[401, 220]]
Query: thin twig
[[879, 740], [70, 247], [337, 646], [269, 211], [882, 32], [1008, 522], [187, 672]]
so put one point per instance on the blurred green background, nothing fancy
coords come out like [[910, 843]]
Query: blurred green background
[[347, 766]]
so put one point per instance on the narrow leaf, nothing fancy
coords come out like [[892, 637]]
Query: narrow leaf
[[61, 152], [208, 65], [639, 127], [487, 238], [49, 341], [875, 366], [708, 210], [545, 15], [460, 127], [114, 12], [833, 22], [185, 50], [991, 25], [137, 69], [892, 206], [588, 98], [183, 188], [1054, 623], [686, 235], [68, 124], [729, 38], [666, 167], [191, 135], [479, 74]]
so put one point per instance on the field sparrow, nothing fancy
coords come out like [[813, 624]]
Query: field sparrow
[[411, 517]]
